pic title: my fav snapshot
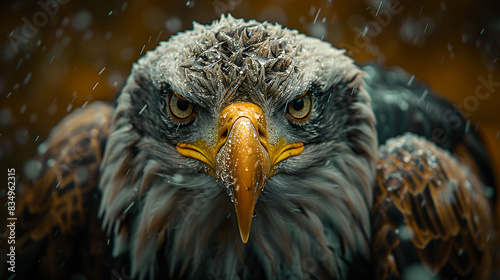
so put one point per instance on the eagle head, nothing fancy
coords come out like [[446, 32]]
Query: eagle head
[[240, 144]]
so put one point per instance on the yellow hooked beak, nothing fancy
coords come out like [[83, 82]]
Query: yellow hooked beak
[[243, 158]]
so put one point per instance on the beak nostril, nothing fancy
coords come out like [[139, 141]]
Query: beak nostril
[[224, 134], [261, 133]]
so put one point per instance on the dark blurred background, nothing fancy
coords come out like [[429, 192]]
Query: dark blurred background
[[58, 56]]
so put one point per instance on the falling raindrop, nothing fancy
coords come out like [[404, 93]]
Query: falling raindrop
[[21, 136], [312, 10], [406, 159], [316, 18], [158, 38], [87, 35], [378, 9], [424, 94], [318, 30], [81, 175], [23, 109], [33, 117], [127, 53], [27, 78], [143, 108], [59, 33], [82, 20], [417, 271], [108, 35], [173, 25], [19, 63], [114, 79], [65, 21], [467, 126], [32, 169], [129, 206], [411, 80], [6, 117]]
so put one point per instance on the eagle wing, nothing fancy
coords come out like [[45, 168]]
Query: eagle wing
[[62, 198], [428, 210], [404, 104]]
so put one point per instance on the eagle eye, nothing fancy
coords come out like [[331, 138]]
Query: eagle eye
[[179, 108], [300, 108]]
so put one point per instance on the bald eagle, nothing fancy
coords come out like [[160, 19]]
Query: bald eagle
[[245, 150]]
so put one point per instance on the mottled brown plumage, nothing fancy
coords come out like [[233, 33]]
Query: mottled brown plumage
[[429, 208], [61, 203]]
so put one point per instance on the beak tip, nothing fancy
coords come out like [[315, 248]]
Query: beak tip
[[244, 237], [244, 228]]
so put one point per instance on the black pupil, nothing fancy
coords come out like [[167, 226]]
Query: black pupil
[[183, 105], [298, 104]]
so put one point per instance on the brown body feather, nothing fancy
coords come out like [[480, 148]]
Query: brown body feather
[[429, 203], [60, 205]]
